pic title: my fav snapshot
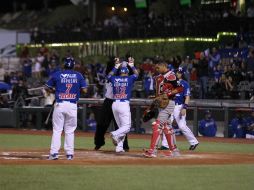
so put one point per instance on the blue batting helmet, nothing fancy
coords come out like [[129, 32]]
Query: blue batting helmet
[[69, 63], [180, 70], [124, 70]]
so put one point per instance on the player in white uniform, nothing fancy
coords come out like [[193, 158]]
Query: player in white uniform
[[179, 113], [67, 85], [122, 87]]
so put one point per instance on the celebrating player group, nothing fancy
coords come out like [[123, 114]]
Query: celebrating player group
[[171, 101]]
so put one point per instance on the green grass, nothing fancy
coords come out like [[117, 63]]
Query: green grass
[[125, 178], [15, 141], [210, 177]]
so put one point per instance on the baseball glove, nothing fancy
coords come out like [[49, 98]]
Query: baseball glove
[[149, 114], [161, 101]]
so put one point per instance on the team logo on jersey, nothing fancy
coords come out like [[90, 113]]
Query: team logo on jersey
[[65, 76], [117, 80]]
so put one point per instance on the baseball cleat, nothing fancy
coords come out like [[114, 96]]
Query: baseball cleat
[[69, 157], [149, 154], [97, 147], [176, 153], [194, 146], [114, 139], [53, 157]]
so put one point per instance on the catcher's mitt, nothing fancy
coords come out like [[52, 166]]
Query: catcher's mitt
[[161, 101], [149, 113]]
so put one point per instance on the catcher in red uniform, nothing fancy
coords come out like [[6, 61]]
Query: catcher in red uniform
[[166, 88]]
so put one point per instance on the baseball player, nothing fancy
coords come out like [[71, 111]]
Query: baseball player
[[250, 125], [122, 87], [67, 85], [238, 125], [106, 115], [166, 86], [207, 127], [179, 114]]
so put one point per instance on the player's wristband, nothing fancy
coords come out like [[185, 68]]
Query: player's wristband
[[185, 106]]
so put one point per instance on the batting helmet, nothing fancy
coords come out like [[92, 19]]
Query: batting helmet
[[180, 70], [69, 63], [124, 70]]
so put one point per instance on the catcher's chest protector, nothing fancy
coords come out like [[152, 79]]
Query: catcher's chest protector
[[159, 84]]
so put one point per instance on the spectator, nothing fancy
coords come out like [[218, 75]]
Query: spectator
[[214, 59], [20, 91], [3, 102], [202, 73], [2, 72], [250, 65], [38, 65], [207, 127], [27, 67], [237, 126], [149, 84]]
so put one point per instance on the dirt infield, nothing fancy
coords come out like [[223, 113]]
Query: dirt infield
[[108, 157]]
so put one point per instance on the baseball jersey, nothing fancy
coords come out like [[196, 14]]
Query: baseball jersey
[[250, 122], [207, 128], [237, 128], [180, 97], [67, 85], [122, 86]]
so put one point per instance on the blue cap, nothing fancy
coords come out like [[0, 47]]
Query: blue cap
[[69, 63], [124, 70]]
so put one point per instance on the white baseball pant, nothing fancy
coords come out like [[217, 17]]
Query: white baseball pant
[[122, 114], [64, 118], [181, 122]]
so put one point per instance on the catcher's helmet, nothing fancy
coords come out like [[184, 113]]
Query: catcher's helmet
[[69, 63], [124, 70]]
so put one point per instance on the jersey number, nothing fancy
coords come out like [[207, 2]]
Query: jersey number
[[68, 86]]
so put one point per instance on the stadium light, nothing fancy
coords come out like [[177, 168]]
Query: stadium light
[[141, 41]]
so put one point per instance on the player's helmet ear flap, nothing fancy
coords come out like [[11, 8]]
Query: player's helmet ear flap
[[69, 63]]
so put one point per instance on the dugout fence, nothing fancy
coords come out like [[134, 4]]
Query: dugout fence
[[222, 112]]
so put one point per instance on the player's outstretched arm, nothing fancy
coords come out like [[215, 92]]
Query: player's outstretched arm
[[117, 65], [131, 64]]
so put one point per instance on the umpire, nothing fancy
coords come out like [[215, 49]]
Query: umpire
[[106, 114]]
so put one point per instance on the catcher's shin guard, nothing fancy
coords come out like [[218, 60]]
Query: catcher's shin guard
[[170, 136], [156, 135]]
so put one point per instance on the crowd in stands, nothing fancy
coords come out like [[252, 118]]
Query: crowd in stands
[[182, 22]]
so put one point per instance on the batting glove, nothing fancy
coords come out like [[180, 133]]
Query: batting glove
[[131, 61]]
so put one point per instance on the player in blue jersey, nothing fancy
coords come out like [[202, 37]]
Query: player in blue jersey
[[207, 127], [67, 85], [122, 86], [250, 125], [179, 113], [238, 125]]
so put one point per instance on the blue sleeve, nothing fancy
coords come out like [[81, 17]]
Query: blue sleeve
[[51, 82], [82, 82]]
